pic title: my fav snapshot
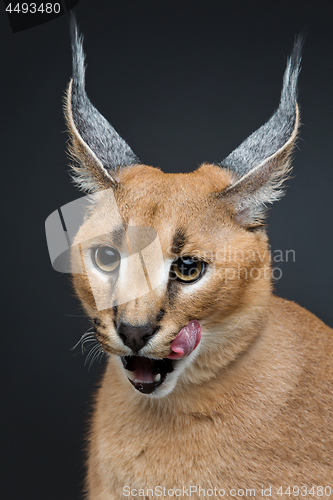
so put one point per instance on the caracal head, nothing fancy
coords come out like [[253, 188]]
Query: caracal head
[[175, 267]]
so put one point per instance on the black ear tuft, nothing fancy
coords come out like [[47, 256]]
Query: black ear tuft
[[262, 161], [272, 136], [95, 145]]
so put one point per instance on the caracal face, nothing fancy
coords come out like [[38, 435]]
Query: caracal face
[[193, 229]]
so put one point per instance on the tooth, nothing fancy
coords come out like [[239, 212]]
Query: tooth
[[131, 376]]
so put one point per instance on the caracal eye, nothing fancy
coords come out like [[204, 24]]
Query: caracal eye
[[188, 269], [107, 259]]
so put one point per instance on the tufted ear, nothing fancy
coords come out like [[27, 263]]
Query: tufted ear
[[262, 162], [97, 149]]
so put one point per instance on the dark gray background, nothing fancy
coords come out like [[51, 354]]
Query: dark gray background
[[183, 82]]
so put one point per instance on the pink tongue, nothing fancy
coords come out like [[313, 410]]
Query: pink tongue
[[186, 341]]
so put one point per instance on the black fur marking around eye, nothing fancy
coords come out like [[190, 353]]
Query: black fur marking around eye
[[115, 311], [153, 211], [179, 241], [160, 315], [117, 236], [172, 290]]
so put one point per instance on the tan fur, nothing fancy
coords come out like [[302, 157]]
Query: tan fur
[[264, 420], [253, 407]]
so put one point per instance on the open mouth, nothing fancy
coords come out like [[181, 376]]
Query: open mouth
[[145, 374]]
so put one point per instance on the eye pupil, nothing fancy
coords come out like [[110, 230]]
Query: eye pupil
[[106, 258], [187, 269], [108, 253]]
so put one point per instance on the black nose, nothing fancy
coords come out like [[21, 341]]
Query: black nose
[[135, 337]]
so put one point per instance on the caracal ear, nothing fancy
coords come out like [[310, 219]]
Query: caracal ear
[[96, 148], [262, 162]]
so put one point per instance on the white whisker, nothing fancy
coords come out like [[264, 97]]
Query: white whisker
[[96, 356], [89, 334], [91, 352]]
